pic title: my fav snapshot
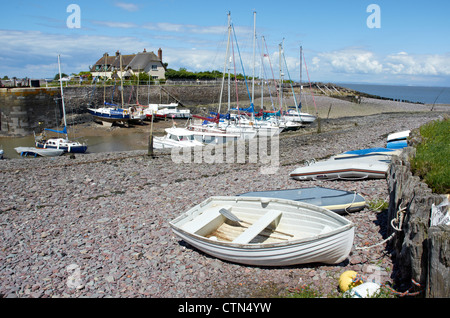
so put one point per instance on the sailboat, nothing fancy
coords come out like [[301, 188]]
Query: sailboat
[[60, 143], [110, 113], [213, 128], [295, 115], [244, 121]]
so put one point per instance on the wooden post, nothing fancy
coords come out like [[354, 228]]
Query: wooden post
[[329, 109], [150, 139]]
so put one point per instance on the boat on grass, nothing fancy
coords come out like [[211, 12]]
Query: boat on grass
[[339, 201], [270, 231], [32, 151]]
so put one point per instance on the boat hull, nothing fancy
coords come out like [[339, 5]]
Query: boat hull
[[319, 235], [343, 169], [81, 148], [335, 200], [110, 116], [27, 151], [325, 250]]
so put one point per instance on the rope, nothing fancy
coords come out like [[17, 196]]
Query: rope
[[350, 205], [398, 228], [406, 293]]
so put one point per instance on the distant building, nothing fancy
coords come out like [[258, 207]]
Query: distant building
[[143, 62]]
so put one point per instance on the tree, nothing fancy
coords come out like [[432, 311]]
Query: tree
[[57, 76]]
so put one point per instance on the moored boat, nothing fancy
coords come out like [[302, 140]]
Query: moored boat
[[176, 137], [110, 114], [65, 144], [32, 151], [270, 231], [61, 143]]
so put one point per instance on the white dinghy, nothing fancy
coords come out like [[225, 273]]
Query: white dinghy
[[343, 169], [270, 231]]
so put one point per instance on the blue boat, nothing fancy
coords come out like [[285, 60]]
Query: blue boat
[[110, 114], [398, 144], [398, 140], [338, 201]]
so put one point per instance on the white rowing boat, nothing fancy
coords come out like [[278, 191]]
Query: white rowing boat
[[344, 169], [271, 232]]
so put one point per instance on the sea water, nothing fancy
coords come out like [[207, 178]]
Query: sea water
[[419, 94], [97, 144]]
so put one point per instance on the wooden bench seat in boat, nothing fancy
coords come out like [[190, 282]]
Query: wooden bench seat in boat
[[208, 218], [257, 227]]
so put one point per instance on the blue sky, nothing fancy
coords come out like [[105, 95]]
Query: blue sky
[[411, 47]]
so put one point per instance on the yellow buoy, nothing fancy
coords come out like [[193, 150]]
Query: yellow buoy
[[346, 280]]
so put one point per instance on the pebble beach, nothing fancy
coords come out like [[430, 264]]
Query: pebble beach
[[97, 225]]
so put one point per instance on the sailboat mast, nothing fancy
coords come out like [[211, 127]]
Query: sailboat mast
[[121, 78], [226, 61], [62, 92], [301, 86], [262, 75], [281, 78], [254, 56], [104, 80]]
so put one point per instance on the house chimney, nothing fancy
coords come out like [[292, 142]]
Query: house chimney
[[160, 54], [145, 50], [117, 53]]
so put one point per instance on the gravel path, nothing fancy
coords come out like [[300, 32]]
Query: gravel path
[[97, 225]]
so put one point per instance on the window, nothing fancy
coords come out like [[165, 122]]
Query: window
[[154, 67]]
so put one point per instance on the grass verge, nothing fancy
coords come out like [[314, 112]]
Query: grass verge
[[432, 156]]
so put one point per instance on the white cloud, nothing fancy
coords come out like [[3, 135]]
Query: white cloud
[[131, 7], [354, 61], [115, 24], [360, 64], [405, 64], [34, 54], [185, 28]]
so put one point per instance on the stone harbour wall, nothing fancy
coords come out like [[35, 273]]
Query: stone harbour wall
[[420, 251], [24, 110]]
